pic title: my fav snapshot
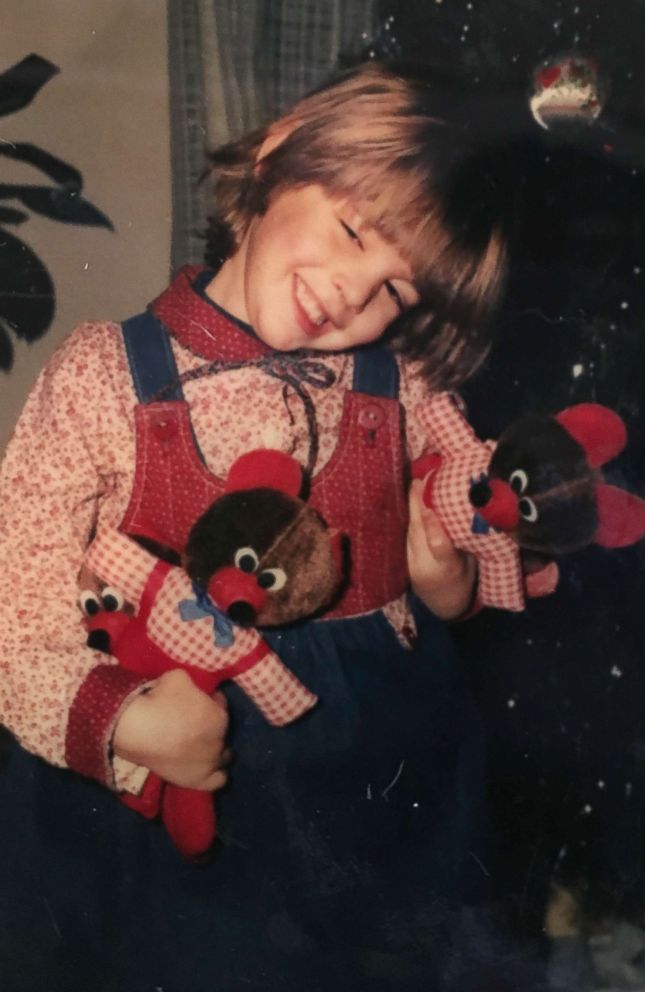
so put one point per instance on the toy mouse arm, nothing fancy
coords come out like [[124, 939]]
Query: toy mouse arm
[[276, 691], [119, 561]]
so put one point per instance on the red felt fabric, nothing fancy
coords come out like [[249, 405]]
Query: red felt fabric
[[597, 429], [621, 517], [265, 467]]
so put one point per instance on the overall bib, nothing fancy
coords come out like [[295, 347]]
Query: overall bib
[[348, 840]]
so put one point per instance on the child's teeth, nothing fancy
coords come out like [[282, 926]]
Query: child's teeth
[[309, 304]]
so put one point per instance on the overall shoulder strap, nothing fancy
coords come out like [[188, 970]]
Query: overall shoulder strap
[[375, 371], [150, 356]]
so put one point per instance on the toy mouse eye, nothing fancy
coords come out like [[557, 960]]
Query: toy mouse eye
[[89, 602], [112, 600], [272, 578], [528, 509], [246, 560], [519, 480]]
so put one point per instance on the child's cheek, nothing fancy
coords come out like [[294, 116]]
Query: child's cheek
[[305, 247]]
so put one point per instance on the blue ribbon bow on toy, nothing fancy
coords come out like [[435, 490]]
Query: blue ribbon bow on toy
[[203, 606]]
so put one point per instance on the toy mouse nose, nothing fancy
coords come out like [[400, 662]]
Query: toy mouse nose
[[242, 613], [480, 494], [237, 593], [498, 506], [99, 640]]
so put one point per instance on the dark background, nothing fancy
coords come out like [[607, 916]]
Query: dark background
[[563, 686]]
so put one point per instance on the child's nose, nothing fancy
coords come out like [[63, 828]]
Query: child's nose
[[357, 285]]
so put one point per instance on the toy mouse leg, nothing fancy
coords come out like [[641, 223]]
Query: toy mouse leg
[[189, 818], [148, 802]]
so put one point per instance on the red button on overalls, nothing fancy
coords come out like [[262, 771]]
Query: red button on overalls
[[371, 417], [165, 429]]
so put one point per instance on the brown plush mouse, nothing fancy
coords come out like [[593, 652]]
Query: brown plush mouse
[[533, 495]]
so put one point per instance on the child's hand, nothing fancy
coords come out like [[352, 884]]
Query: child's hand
[[442, 576], [177, 731]]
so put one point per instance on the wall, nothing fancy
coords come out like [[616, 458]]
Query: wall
[[105, 113]]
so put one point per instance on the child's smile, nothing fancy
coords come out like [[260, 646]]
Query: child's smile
[[309, 312], [311, 273]]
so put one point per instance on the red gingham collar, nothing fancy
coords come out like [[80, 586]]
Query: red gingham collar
[[200, 325]]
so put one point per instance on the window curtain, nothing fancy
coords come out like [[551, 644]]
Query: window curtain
[[235, 65]]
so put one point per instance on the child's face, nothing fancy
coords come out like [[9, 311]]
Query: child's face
[[310, 273]]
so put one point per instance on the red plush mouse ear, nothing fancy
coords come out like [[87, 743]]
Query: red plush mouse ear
[[598, 430], [265, 468], [621, 517]]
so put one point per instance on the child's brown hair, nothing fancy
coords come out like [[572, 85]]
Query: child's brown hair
[[376, 136]]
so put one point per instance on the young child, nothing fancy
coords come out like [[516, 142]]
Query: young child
[[349, 839]]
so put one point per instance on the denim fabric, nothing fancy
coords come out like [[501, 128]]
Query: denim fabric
[[348, 842]]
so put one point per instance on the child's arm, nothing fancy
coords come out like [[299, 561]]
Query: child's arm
[[441, 576], [58, 697]]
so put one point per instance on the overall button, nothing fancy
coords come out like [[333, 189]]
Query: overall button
[[371, 417], [165, 429]]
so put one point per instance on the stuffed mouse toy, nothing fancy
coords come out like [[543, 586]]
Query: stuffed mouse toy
[[535, 494], [258, 556]]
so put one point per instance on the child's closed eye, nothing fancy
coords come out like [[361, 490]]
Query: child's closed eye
[[395, 295], [351, 233]]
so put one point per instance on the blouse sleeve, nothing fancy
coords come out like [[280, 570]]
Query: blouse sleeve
[[433, 419], [59, 698], [413, 394]]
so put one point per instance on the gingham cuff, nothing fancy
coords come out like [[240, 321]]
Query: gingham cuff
[[98, 704]]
